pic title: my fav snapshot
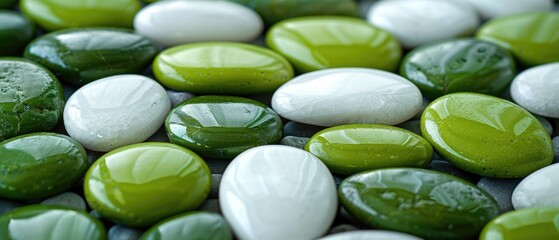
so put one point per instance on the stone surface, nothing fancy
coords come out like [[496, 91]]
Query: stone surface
[[15, 32], [419, 22], [486, 135], [116, 111], [178, 97], [192, 225], [532, 223], [292, 141], [298, 129], [445, 167], [314, 43], [370, 234], [141, 184], [214, 190], [119, 232], [500, 189], [8, 205], [556, 149], [420, 202], [321, 97], [539, 189], [546, 124], [535, 90], [67, 199], [278, 192], [221, 68], [497, 8], [197, 21]]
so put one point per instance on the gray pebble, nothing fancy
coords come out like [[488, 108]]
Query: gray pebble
[[67, 199], [423, 106], [298, 142], [96, 215], [265, 98], [500, 189], [411, 125], [159, 136], [446, 167], [92, 156], [217, 166], [119, 232], [338, 179], [7, 205], [298, 129], [546, 124], [210, 205], [178, 97], [342, 228], [214, 190], [555, 142]]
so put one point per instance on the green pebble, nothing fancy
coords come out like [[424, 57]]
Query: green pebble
[[15, 32], [465, 65], [80, 56], [192, 225], [354, 148], [141, 184], [222, 126], [221, 68], [31, 98], [50, 223], [531, 37], [425, 203], [486, 135], [314, 43], [529, 223], [40, 165]]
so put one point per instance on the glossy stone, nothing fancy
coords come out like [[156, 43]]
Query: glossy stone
[[531, 37], [465, 65], [141, 184], [497, 8], [31, 98], [197, 21], [532, 223], [539, 189], [221, 68], [116, 111], [322, 97], [486, 135], [370, 234], [80, 56], [15, 32], [535, 89], [59, 14], [50, 223], [354, 148], [419, 22], [222, 126], [278, 192], [192, 225], [313, 43], [420, 202]]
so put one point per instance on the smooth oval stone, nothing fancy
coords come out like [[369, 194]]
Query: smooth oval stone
[[539, 189], [497, 8], [535, 89], [347, 95], [314, 43], [59, 14], [419, 22], [40, 165], [532, 223], [420, 202], [192, 225], [197, 21], [116, 111], [222, 126], [141, 184], [354, 148], [370, 234], [50, 223], [485, 135], [531, 37], [15, 32], [31, 98], [465, 65], [80, 56], [221, 68], [7, 3], [278, 192]]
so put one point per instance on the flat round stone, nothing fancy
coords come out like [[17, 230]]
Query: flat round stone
[[222, 68], [192, 225], [370, 234], [531, 223], [497, 8], [197, 21], [116, 111], [278, 192], [313, 43], [31, 98], [419, 22], [59, 14], [486, 135], [538, 189], [222, 126], [80, 56], [535, 89], [50, 223], [530, 37], [354, 148], [15, 32], [348, 95], [141, 184], [465, 65], [420, 202]]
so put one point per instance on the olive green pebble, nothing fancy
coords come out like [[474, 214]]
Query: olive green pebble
[[192, 225], [15, 32]]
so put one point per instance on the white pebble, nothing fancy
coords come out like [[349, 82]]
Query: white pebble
[[539, 189], [536, 90]]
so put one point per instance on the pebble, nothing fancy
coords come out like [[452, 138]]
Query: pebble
[[321, 97], [412, 126], [535, 90], [178, 97], [298, 129], [539, 189], [119, 232], [211, 205], [137, 107], [488, 9], [556, 149], [192, 225], [445, 167], [292, 141], [67, 199], [418, 22], [531, 223], [370, 234], [214, 190], [278, 192], [15, 32], [500, 189], [197, 21], [8, 205]]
